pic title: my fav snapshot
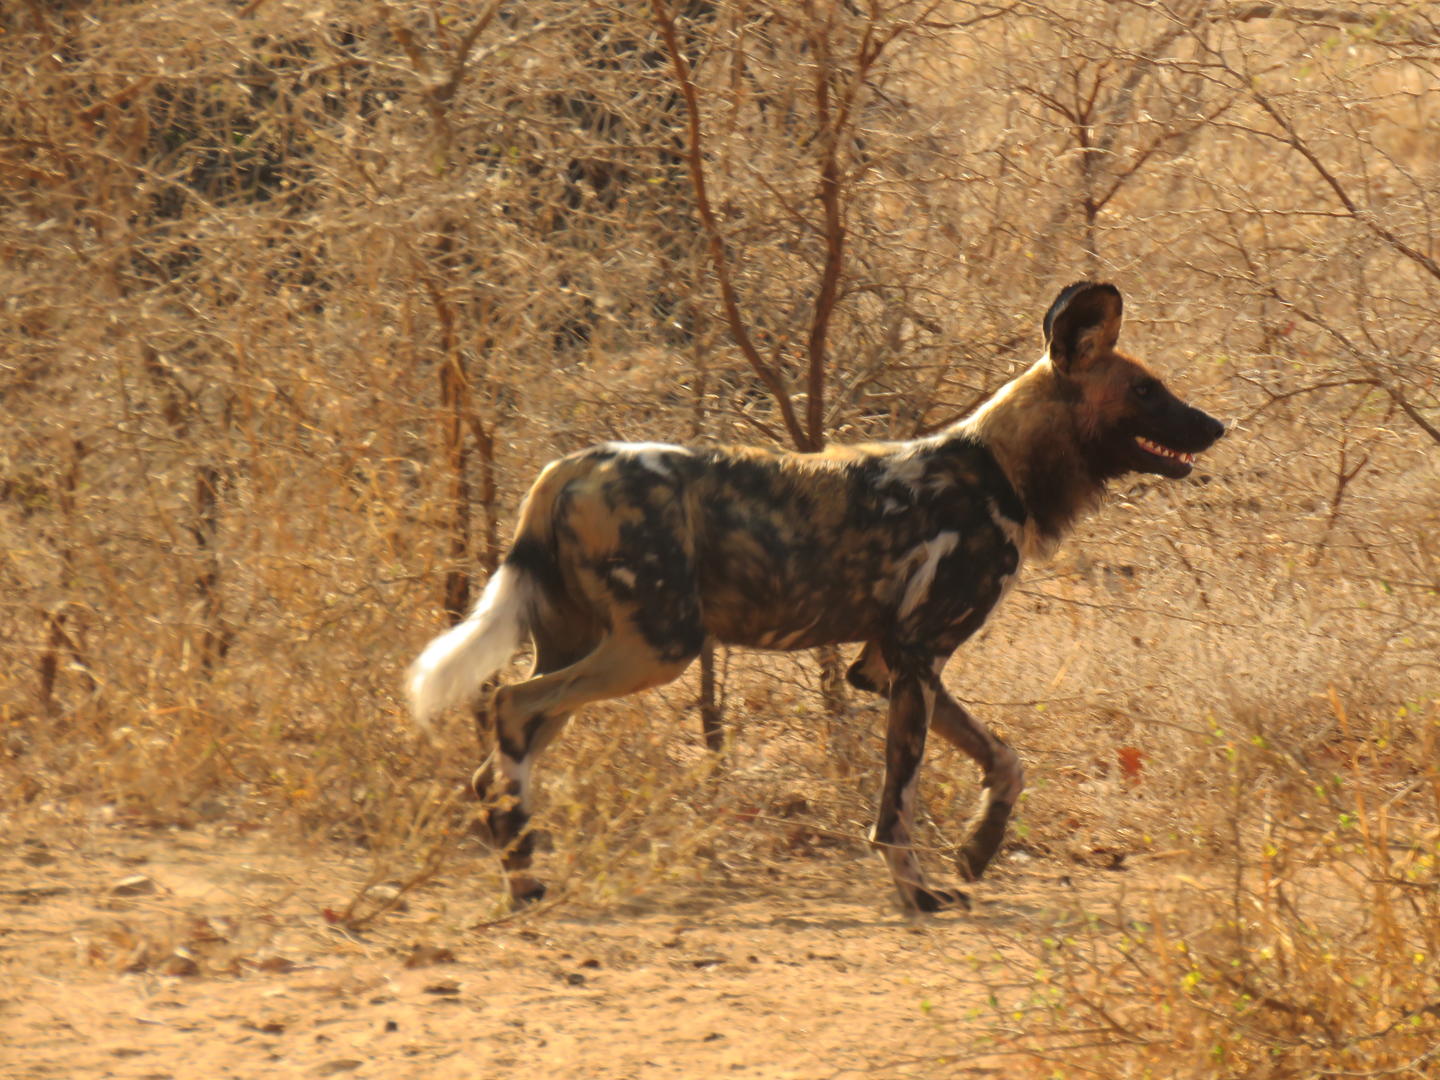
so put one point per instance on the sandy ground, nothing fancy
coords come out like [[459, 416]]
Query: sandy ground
[[159, 954]]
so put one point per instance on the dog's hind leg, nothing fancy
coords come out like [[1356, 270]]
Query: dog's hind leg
[[560, 637], [1003, 782], [913, 689], [528, 716]]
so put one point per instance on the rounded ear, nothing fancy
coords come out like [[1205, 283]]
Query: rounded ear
[[1083, 323]]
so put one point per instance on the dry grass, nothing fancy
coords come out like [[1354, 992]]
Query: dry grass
[[287, 330]]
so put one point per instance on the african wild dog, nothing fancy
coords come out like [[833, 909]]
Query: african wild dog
[[628, 554]]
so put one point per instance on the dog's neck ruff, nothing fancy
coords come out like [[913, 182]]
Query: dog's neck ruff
[[1029, 427]]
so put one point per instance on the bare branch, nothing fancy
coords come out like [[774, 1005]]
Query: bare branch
[[1365, 360], [834, 242], [1359, 213], [446, 90], [715, 242]]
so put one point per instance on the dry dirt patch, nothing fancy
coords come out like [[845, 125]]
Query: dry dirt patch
[[203, 952]]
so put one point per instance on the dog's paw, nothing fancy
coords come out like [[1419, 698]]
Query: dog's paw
[[929, 901]]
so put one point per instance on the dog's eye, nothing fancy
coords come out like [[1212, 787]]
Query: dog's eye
[[1144, 388]]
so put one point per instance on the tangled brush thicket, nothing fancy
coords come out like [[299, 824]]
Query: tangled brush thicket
[[298, 297]]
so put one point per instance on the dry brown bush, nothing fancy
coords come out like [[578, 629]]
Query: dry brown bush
[[297, 299]]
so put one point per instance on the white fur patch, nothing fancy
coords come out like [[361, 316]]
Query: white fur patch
[[929, 553], [651, 455], [518, 773], [908, 470], [1013, 530], [1023, 536]]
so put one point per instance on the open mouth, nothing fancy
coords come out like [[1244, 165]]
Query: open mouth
[[1164, 451]]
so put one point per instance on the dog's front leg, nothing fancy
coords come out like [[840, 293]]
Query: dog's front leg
[[1004, 780], [912, 698]]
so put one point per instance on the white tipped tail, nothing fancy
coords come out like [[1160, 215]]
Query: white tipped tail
[[456, 664]]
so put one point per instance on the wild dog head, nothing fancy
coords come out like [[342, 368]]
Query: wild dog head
[[1126, 418]]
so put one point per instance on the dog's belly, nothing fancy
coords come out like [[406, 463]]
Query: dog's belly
[[800, 620]]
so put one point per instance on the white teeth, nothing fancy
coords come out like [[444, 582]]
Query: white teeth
[[1164, 451]]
